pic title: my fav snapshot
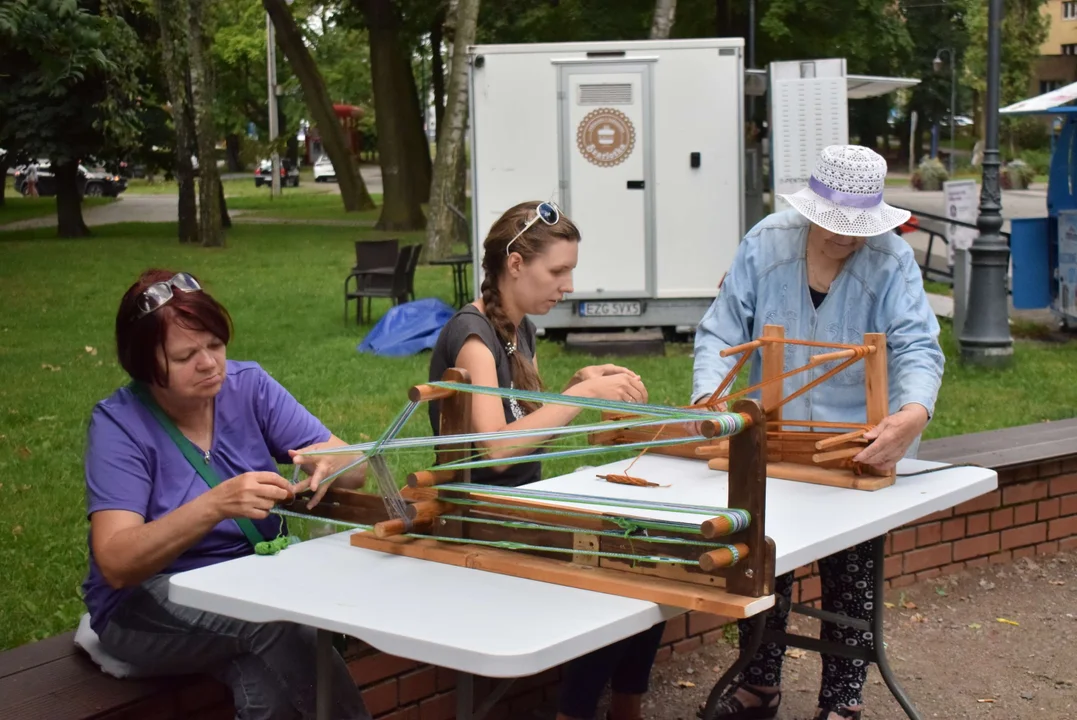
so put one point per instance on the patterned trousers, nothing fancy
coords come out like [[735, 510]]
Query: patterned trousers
[[848, 584]]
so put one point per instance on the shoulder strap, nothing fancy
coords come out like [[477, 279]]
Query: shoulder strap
[[198, 461]]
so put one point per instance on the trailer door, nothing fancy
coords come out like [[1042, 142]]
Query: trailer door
[[606, 181]]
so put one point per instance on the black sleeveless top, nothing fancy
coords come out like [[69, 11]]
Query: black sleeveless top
[[470, 321]]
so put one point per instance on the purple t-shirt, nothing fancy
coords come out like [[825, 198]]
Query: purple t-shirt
[[132, 464]]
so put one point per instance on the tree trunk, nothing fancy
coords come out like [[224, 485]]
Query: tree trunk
[[437, 72], [5, 163], [389, 71], [903, 143], [662, 23], [174, 60], [226, 220], [188, 203], [209, 210], [69, 223], [443, 230], [353, 191], [918, 143], [417, 145], [234, 162]]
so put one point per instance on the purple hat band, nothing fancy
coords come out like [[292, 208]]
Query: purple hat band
[[864, 202]]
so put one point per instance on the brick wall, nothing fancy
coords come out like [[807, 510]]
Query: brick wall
[[1033, 512]]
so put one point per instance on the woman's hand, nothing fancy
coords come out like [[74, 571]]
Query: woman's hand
[[594, 371], [892, 437], [622, 386], [319, 467], [250, 495]]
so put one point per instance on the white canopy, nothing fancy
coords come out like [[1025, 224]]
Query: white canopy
[[1042, 103], [858, 86]]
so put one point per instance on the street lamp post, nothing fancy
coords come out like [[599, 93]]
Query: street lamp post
[[271, 81], [937, 64], [985, 338]]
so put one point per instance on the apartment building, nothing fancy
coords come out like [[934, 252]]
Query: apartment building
[[1057, 64]]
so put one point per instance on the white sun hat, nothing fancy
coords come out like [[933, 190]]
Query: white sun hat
[[845, 193]]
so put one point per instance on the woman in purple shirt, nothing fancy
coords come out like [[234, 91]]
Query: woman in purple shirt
[[181, 473]]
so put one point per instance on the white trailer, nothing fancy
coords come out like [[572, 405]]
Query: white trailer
[[641, 143]]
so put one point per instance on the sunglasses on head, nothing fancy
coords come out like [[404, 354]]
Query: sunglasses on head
[[158, 294], [547, 212]]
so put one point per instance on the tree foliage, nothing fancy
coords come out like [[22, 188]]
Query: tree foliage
[[69, 89]]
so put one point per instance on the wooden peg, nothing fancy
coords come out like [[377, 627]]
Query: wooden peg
[[389, 528], [427, 393], [715, 527], [430, 478], [709, 429], [836, 454], [854, 436], [832, 356], [738, 349], [720, 558], [427, 511]]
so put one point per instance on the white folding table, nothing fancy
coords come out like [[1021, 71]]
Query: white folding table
[[482, 623]]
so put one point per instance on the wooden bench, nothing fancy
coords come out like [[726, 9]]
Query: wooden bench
[[54, 680], [1006, 448]]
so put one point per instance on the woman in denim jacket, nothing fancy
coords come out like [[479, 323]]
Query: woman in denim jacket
[[830, 270]]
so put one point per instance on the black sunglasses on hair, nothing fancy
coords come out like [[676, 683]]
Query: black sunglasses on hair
[[547, 212]]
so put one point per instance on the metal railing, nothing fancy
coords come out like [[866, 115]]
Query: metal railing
[[944, 275]]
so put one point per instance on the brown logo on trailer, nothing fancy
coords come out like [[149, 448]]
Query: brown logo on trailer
[[605, 137]]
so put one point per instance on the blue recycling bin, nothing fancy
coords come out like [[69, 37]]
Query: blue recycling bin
[[1031, 263]]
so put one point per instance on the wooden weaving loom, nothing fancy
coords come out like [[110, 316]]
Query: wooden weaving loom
[[819, 453], [723, 566]]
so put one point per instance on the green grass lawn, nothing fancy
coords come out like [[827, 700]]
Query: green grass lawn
[[309, 201], [295, 204], [283, 286]]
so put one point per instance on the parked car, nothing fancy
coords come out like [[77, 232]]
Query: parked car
[[323, 170], [263, 174], [91, 183]]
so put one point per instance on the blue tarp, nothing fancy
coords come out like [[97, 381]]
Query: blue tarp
[[408, 329]]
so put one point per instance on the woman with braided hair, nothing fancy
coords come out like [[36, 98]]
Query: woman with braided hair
[[528, 259]]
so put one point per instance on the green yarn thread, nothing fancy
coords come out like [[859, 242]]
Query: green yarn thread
[[272, 547]]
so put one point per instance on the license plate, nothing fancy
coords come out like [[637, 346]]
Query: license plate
[[611, 308]]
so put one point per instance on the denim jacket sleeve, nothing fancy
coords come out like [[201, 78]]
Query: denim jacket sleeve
[[729, 321], [912, 331]]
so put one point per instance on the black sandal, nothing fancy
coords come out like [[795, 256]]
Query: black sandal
[[842, 711], [731, 708]]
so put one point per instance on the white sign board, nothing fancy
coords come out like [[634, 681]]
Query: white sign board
[[1067, 265], [808, 111], [962, 204]]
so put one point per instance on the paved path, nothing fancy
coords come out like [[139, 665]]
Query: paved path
[[163, 208]]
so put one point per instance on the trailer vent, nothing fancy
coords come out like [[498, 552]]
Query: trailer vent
[[606, 94]]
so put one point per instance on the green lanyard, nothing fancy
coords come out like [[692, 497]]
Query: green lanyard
[[199, 461]]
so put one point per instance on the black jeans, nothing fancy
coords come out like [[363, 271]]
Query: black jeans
[[625, 664]]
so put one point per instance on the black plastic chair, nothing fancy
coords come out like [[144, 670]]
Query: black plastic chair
[[375, 261], [392, 283]]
